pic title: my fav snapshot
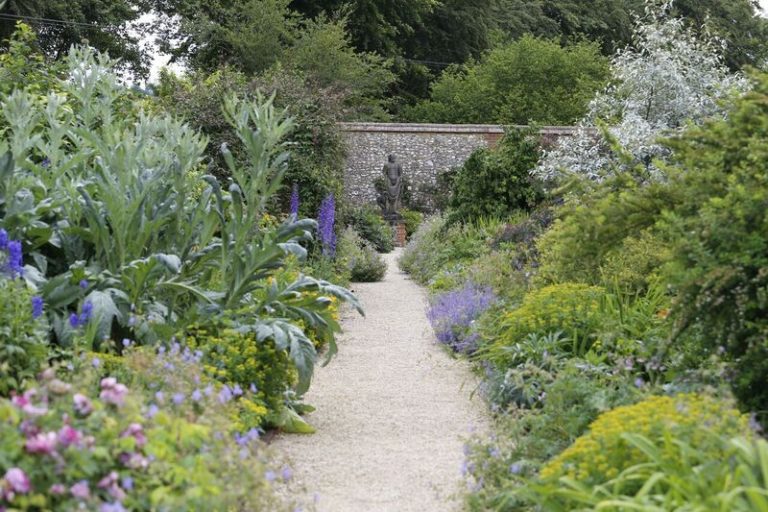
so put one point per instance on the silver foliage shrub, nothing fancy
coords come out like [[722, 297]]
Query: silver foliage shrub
[[668, 79]]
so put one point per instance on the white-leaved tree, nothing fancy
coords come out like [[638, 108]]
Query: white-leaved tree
[[667, 80]]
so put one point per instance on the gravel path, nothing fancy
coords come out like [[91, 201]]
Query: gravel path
[[393, 410]]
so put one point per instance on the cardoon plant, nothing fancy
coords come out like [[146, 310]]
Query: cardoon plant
[[326, 218], [453, 314]]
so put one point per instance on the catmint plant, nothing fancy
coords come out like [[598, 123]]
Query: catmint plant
[[453, 315]]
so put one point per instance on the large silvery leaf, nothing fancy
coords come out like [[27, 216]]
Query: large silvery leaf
[[104, 312]]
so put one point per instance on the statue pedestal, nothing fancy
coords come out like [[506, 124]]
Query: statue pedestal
[[400, 234]]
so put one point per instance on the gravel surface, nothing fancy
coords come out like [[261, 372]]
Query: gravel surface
[[393, 410]]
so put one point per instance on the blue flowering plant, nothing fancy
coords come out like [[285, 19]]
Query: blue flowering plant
[[159, 442], [454, 314], [127, 239], [23, 327]]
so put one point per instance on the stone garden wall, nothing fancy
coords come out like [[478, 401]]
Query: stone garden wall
[[424, 150]]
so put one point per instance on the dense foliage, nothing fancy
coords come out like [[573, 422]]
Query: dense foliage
[[112, 236], [528, 80], [496, 182], [625, 354]]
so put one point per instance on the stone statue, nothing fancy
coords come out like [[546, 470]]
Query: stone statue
[[392, 189]]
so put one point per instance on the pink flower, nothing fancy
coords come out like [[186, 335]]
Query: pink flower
[[109, 482], [43, 444], [24, 402], [136, 431], [134, 460], [112, 392], [80, 490], [58, 489], [59, 387], [82, 404], [69, 436], [17, 480]]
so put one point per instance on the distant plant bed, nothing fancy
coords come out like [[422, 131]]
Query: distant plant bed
[[369, 224], [364, 263]]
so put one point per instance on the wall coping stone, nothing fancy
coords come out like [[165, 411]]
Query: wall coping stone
[[448, 128]]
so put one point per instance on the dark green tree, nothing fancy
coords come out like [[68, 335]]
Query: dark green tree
[[528, 80], [59, 24]]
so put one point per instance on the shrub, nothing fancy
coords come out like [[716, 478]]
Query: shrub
[[570, 308], [365, 265], [412, 220], [98, 444], [604, 451], [453, 314], [241, 361], [371, 227], [23, 331], [689, 479], [719, 239], [563, 398], [436, 247], [527, 80], [497, 182]]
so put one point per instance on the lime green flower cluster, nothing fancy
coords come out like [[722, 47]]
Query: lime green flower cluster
[[569, 308], [244, 363], [604, 452]]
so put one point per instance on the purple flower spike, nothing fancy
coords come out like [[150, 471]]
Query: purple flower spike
[[74, 320], [86, 313], [15, 266], [295, 200], [83, 284], [37, 306], [326, 219], [3, 239]]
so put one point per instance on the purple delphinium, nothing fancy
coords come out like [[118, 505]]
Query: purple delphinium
[[15, 266], [295, 200], [326, 218], [452, 315], [37, 306], [86, 313], [3, 239]]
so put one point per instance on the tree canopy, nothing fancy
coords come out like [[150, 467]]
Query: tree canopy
[[529, 80], [59, 24]]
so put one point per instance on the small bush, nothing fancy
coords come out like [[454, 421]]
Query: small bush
[[564, 398], [239, 360], [690, 479], [23, 334], [497, 182], [605, 451], [573, 309], [364, 264], [412, 220], [453, 316], [371, 227]]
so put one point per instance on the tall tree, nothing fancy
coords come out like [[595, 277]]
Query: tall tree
[[59, 24], [375, 25]]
